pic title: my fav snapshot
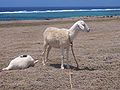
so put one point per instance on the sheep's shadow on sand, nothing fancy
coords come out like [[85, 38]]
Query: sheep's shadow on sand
[[72, 67]]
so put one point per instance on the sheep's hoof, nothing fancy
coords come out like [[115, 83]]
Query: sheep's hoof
[[4, 69], [77, 68], [43, 63], [62, 67]]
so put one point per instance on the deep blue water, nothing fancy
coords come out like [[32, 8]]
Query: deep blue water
[[40, 13]]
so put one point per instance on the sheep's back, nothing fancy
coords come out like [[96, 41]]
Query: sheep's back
[[56, 37], [21, 62]]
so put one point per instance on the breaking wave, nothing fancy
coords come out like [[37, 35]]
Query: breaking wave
[[55, 11]]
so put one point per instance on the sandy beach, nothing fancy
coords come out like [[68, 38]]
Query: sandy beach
[[98, 54]]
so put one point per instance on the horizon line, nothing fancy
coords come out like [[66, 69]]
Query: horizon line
[[56, 6]]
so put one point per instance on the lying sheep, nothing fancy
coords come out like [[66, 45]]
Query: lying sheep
[[21, 62]]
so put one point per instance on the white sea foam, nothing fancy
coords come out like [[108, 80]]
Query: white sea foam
[[55, 11]]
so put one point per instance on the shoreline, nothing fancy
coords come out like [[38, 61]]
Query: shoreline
[[18, 23]]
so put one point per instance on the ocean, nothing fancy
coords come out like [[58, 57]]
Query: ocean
[[46, 13]]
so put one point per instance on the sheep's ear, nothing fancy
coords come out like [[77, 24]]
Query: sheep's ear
[[81, 26]]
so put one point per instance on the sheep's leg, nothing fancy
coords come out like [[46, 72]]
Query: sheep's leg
[[62, 58], [44, 51], [48, 50], [8, 68], [67, 57]]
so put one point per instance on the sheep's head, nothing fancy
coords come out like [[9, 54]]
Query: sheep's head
[[83, 26]]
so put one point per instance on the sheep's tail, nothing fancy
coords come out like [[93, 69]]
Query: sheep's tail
[[35, 61]]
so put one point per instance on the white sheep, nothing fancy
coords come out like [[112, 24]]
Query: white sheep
[[21, 62], [61, 38]]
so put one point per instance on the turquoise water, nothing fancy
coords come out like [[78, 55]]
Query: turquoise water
[[40, 13]]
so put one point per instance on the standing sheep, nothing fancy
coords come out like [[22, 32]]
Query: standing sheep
[[61, 38]]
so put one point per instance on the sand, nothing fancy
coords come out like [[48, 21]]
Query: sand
[[98, 54]]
